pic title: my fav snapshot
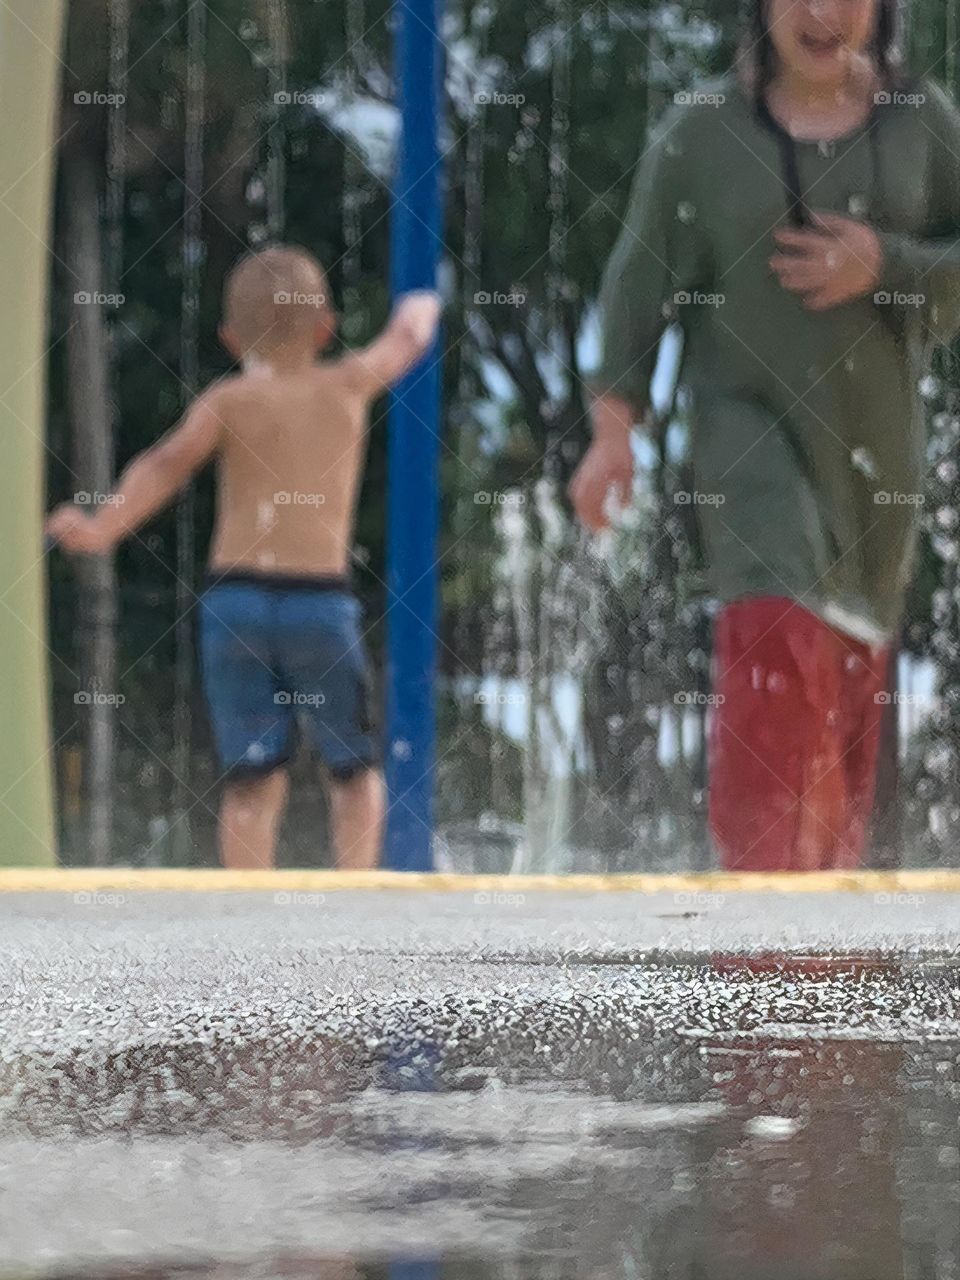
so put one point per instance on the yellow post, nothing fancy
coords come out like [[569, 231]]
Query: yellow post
[[30, 42]]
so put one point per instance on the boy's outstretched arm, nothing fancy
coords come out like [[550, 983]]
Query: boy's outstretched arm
[[407, 338], [148, 484]]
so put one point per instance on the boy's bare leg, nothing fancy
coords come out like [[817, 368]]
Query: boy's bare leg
[[356, 816], [250, 815]]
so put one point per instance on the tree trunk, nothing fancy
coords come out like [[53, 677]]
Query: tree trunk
[[93, 467]]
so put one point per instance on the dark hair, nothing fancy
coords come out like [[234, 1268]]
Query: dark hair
[[759, 51]]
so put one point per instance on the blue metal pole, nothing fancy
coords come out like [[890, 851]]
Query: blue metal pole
[[414, 452]]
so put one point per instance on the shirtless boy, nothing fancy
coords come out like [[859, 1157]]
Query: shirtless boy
[[280, 627]]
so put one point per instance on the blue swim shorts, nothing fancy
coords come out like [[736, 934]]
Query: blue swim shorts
[[281, 656]]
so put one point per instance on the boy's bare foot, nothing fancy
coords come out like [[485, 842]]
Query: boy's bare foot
[[250, 815]]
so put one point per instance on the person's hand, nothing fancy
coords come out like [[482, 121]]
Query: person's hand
[[78, 533], [421, 310], [834, 261], [604, 477]]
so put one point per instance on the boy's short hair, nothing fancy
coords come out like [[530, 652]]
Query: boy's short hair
[[275, 296]]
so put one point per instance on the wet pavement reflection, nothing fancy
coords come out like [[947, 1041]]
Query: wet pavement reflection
[[722, 1117]]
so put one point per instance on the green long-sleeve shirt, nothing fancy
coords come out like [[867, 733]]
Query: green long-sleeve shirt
[[809, 438]]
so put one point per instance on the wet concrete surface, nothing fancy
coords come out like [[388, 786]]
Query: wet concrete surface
[[692, 1087]]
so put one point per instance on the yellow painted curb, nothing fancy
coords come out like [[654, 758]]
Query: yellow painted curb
[[212, 880]]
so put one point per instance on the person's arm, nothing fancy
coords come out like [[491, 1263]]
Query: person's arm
[[929, 265], [605, 475], [409, 335], [149, 483], [659, 258]]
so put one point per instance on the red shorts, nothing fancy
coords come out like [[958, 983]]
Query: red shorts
[[794, 739]]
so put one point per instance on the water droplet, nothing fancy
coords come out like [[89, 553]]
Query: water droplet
[[858, 206], [863, 460], [687, 212]]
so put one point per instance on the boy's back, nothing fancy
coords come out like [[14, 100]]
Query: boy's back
[[289, 464]]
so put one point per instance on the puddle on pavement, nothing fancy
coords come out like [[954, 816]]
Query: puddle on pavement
[[765, 1134]]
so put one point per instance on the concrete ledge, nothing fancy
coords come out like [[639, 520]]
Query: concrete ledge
[[213, 880]]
